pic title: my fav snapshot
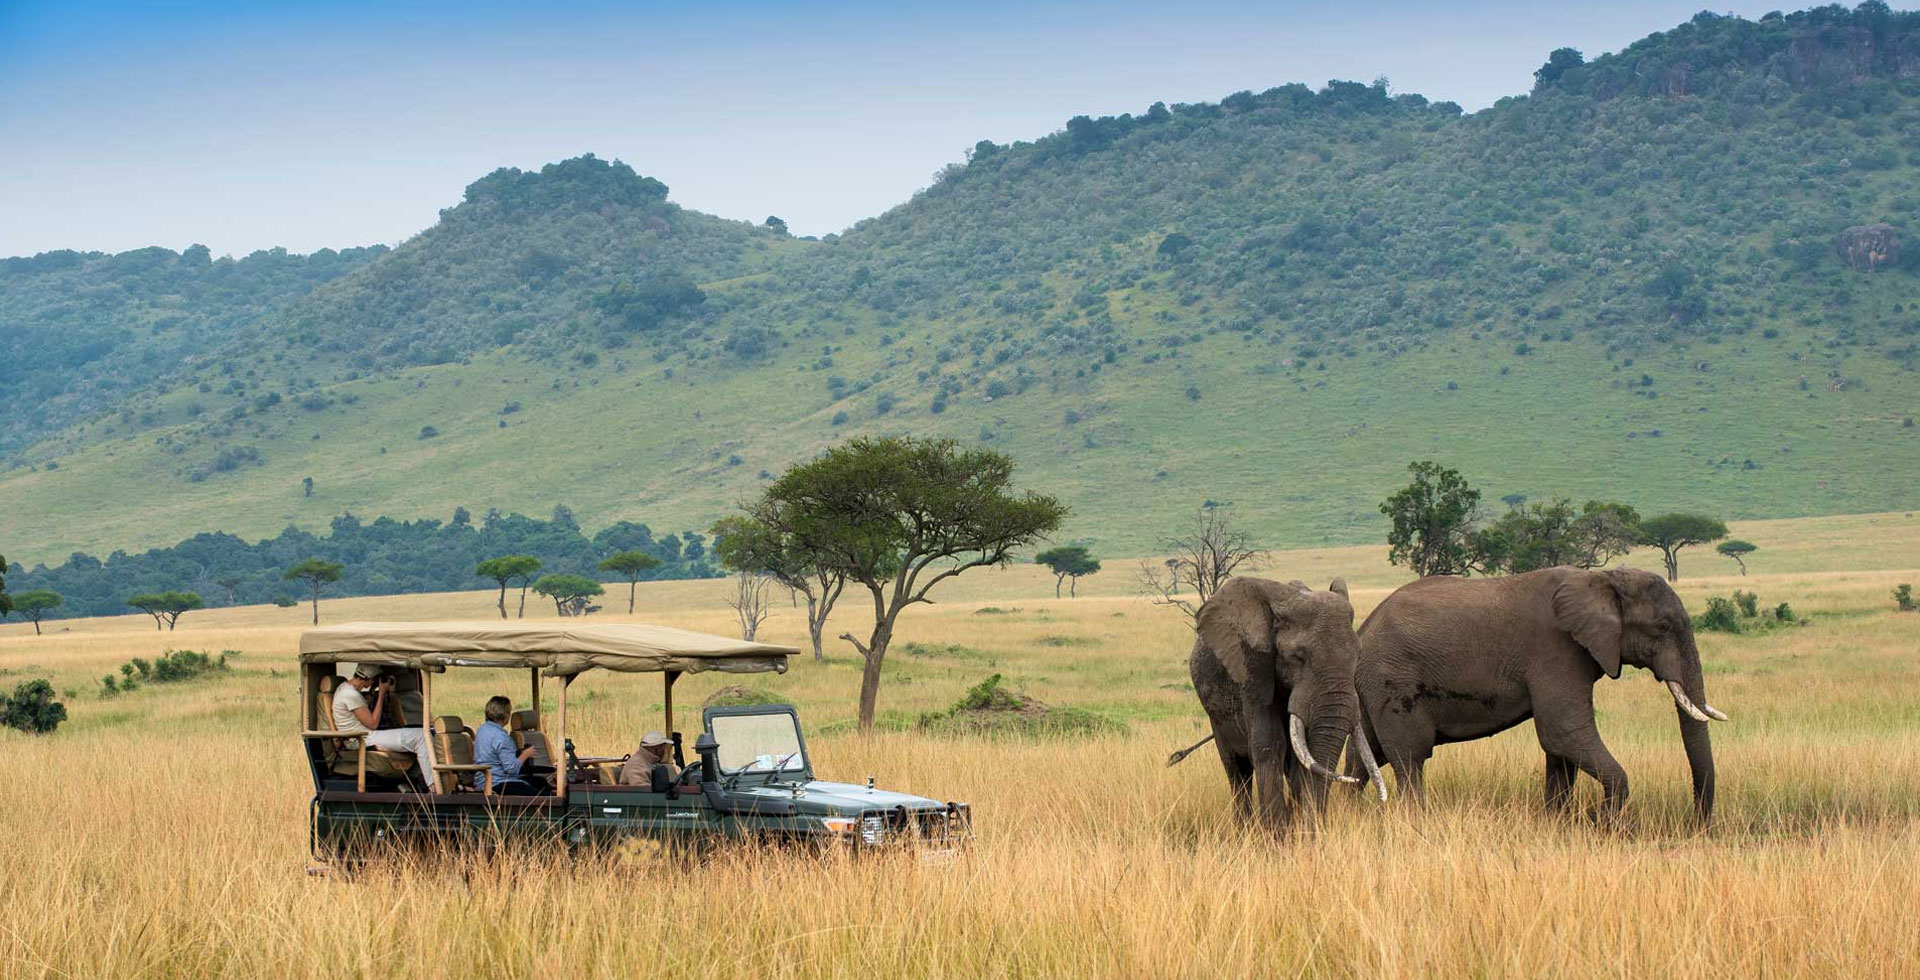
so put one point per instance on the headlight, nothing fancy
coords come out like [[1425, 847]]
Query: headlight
[[840, 825], [873, 829]]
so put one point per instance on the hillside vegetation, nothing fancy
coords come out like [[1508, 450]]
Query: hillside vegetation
[[1680, 275]]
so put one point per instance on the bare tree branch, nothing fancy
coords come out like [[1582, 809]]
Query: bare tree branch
[[1200, 560]]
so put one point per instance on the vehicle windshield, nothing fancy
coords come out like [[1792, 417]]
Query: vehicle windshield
[[759, 743]]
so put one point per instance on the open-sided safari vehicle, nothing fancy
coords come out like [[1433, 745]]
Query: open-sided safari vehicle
[[750, 778]]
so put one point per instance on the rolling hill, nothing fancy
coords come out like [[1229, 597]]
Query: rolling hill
[[1673, 275]]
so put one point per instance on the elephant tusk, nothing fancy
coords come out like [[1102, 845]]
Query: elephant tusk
[[1298, 730], [1366, 758], [1686, 704]]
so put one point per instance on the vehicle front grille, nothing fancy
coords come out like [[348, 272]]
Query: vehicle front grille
[[950, 824]]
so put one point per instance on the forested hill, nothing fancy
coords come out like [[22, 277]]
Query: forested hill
[[1681, 273]]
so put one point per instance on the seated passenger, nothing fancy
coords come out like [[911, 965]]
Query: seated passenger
[[513, 775], [351, 714], [655, 749]]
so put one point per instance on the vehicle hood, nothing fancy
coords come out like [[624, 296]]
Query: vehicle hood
[[842, 796]]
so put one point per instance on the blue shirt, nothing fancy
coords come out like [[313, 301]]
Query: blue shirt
[[494, 748]]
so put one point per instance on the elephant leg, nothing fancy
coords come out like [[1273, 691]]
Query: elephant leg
[[1563, 720], [1403, 736], [1560, 775], [1239, 779]]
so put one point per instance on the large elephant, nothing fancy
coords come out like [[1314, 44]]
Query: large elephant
[[1449, 659], [1273, 665]]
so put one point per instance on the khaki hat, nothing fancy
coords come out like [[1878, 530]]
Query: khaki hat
[[655, 738], [368, 671]]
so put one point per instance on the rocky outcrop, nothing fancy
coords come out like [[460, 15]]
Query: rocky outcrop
[[1868, 247]]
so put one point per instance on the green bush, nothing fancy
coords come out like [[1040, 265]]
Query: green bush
[[1722, 616], [1903, 597], [1748, 602], [171, 667], [31, 708], [1784, 613]]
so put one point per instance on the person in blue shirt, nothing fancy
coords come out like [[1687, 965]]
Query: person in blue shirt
[[493, 747]]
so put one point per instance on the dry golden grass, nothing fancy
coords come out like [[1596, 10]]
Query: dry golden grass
[[163, 833]]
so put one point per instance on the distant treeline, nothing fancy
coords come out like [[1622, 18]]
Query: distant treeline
[[381, 557]]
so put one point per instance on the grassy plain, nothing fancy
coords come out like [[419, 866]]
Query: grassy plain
[[163, 833]]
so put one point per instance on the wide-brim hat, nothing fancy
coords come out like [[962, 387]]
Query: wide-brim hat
[[655, 738]]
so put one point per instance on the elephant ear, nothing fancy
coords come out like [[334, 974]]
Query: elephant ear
[[1587, 606], [1236, 623], [1339, 585]]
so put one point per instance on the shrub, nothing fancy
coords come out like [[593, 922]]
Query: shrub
[[1748, 602], [1784, 613], [1903, 597], [31, 708], [171, 667], [1722, 616]]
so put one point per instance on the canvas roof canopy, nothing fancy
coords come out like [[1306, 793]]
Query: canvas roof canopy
[[557, 649]]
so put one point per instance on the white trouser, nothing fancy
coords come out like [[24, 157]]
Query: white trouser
[[412, 740]]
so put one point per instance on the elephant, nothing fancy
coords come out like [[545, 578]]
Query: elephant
[[1446, 659], [1273, 665]]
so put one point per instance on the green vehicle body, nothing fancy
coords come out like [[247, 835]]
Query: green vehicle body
[[715, 800]]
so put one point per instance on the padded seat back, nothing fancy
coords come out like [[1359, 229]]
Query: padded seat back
[[453, 742], [525, 726]]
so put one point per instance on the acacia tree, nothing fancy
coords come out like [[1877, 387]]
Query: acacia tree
[[34, 605], [166, 608], [230, 584], [1069, 562], [1672, 532], [1200, 559], [1536, 536], [317, 573], [1432, 518], [1737, 550], [631, 564], [899, 516], [568, 591], [505, 570], [743, 544]]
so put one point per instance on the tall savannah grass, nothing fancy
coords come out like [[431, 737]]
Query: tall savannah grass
[[163, 833]]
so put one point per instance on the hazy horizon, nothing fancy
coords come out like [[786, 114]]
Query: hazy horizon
[[354, 123]]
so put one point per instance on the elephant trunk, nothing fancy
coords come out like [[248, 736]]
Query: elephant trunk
[[1332, 716], [1693, 731]]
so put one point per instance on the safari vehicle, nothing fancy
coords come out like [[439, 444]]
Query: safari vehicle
[[751, 777]]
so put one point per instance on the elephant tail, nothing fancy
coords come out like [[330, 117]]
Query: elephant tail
[[1174, 759]]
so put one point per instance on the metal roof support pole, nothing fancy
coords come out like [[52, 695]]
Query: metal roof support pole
[[672, 675], [426, 724], [565, 762]]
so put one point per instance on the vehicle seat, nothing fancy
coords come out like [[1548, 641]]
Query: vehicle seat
[[525, 726], [343, 754], [453, 742]]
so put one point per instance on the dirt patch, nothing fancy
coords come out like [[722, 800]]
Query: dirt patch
[[741, 696]]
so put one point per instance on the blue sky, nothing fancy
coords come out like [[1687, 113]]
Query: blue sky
[[245, 126]]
